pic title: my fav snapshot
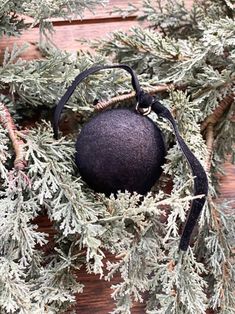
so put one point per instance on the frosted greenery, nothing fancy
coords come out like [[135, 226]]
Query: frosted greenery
[[42, 82], [195, 50]]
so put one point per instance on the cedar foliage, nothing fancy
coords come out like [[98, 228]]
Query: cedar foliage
[[194, 51]]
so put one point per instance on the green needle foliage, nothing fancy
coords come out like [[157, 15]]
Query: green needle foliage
[[194, 49]]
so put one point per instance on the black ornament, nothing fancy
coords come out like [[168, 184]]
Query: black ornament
[[120, 149], [123, 150]]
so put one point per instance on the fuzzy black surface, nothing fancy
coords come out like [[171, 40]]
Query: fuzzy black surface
[[120, 149]]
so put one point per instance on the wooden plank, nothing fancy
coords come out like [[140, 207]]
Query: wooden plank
[[67, 35], [98, 295], [227, 185]]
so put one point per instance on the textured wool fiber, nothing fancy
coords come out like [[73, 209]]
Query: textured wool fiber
[[120, 149]]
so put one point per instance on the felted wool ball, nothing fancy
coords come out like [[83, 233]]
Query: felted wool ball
[[120, 149]]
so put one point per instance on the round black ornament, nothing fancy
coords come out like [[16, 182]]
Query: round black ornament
[[120, 149]]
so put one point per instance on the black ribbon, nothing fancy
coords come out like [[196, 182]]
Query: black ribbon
[[81, 77], [199, 174], [145, 100]]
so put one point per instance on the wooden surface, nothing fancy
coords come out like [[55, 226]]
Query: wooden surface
[[69, 33], [96, 297]]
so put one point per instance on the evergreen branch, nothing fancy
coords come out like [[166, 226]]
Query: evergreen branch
[[195, 51], [221, 261], [8, 123], [151, 90]]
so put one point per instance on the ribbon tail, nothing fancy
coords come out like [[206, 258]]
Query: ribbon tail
[[199, 174]]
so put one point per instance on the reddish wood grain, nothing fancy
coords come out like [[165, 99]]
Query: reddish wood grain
[[99, 292], [227, 187], [68, 34]]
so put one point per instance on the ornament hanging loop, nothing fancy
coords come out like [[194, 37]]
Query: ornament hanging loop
[[143, 111], [144, 103]]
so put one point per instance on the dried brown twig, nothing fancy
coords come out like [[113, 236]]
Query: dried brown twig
[[209, 124], [218, 112], [152, 90], [8, 123], [209, 144]]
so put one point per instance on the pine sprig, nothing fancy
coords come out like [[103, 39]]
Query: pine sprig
[[42, 82]]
